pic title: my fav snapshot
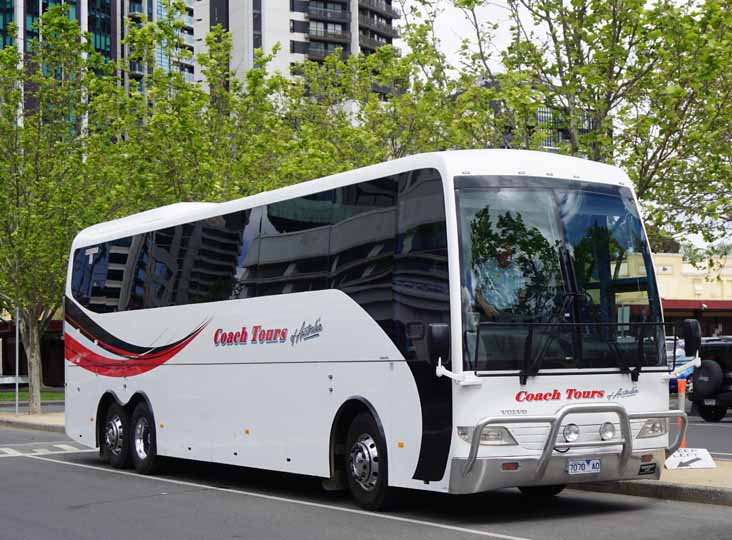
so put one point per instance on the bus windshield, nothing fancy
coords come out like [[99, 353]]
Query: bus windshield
[[555, 275]]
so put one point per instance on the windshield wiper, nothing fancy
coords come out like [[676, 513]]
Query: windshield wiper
[[531, 368]]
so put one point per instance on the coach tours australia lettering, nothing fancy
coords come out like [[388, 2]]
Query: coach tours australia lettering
[[306, 332], [256, 335], [260, 335], [574, 394]]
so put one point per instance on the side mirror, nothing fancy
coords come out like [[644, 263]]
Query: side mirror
[[438, 342], [691, 330]]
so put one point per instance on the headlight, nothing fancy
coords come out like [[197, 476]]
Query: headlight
[[571, 432], [491, 435], [607, 431], [654, 427]]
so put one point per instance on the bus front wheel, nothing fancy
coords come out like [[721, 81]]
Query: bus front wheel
[[143, 445], [116, 437], [366, 464]]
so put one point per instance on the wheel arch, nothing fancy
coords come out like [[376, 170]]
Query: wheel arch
[[110, 397], [348, 410]]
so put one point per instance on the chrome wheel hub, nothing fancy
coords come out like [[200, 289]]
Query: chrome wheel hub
[[142, 438], [114, 435], [364, 461]]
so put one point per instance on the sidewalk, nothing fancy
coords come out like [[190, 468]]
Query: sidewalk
[[46, 422], [709, 486]]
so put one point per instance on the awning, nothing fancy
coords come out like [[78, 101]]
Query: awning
[[696, 305]]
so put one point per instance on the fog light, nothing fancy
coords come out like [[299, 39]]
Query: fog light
[[510, 466], [571, 432], [607, 431]]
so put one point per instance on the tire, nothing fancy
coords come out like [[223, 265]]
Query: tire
[[115, 444], [708, 379], [366, 464], [143, 442], [542, 491], [710, 413]]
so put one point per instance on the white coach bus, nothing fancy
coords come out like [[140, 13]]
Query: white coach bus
[[454, 322]]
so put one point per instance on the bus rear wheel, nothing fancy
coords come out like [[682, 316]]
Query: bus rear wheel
[[542, 491], [143, 447], [366, 464], [115, 448]]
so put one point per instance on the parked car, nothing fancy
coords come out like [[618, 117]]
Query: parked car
[[712, 393]]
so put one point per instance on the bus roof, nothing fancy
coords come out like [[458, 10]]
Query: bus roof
[[449, 163]]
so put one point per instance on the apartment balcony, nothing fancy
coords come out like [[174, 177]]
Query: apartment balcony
[[332, 37], [319, 54], [137, 69], [188, 40], [381, 7], [136, 9], [187, 20], [367, 42], [378, 27], [330, 15]]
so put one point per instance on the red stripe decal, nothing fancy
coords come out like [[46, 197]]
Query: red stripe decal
[[79, 355]]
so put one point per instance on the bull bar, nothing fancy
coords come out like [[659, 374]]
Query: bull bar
[[555, 422]]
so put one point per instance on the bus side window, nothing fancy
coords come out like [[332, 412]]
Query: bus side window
[[420, 278], [362, 246], [245, 278], [293, 251]]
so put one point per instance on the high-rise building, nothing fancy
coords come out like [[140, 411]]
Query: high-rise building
[[305, 29], [95, 16], [107, 21]]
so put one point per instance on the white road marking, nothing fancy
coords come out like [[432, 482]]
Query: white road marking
[[476, 532], [44, 452], [34, 443], [66, 447], [10, 452], [721, 453], [41, 451]]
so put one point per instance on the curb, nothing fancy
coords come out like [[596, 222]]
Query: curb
[[663, 490], [11, 404], [12, 422]]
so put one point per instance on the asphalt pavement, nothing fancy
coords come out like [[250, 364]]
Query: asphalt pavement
[[714, 436], [52, 489]]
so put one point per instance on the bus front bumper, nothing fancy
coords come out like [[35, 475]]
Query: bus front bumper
[[473, 474], [488, 473]]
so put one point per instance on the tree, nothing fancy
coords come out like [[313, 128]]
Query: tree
[[45, 195], [645, 87]]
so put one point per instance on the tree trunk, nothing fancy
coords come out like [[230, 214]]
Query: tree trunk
[[31, 336]]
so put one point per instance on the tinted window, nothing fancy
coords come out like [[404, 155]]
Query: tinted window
[[98, 273], [205, 261], [420, 276], [293, 254], [362, 246]]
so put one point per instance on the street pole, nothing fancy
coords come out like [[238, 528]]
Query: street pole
[[17, 355]]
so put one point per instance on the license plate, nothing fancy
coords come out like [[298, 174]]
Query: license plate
[[583, 466], [710, 402]]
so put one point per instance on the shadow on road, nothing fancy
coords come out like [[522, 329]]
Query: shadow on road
[[463, 510]]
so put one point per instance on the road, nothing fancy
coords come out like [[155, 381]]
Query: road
[[50, 490], [715, 437]]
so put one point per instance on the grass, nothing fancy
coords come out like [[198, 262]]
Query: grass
[[9, 395]]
